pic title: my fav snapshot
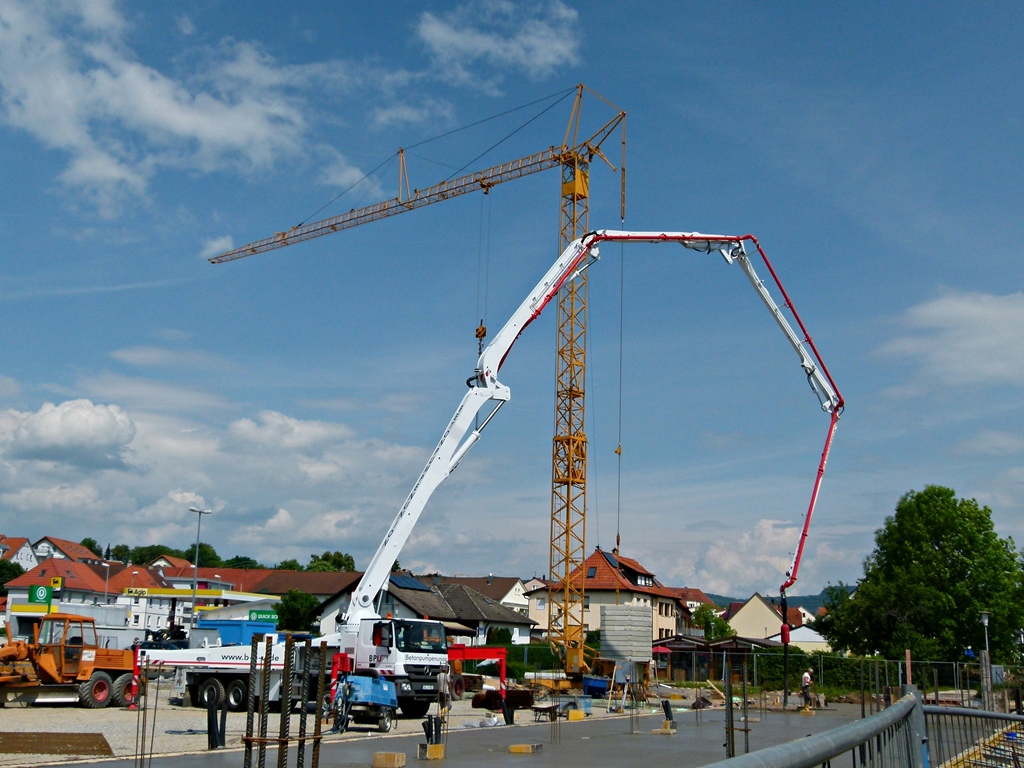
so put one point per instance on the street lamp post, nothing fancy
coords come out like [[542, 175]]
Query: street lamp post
[[106, 582], [195, 565], [986, 673]]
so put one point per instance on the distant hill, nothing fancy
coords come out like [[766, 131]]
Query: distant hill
[[810, 603]]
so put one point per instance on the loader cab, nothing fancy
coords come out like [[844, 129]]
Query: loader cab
[[63, 639]]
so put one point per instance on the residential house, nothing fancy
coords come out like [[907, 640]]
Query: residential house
[[481, 613], [607, 578], [468, 617], [18, 550], [693, 598], [508, 591], [51, 546], [756, 618]]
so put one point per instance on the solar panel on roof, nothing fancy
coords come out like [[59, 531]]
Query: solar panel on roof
[[403, 581], [611, 559]]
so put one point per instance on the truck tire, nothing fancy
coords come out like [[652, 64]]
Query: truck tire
[[237, 695], [414, 708], [96, 692], [122, 692], [387, 716], [211, 691]]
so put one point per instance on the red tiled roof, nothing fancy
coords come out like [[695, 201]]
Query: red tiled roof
[[87, 577], [609, 578], [242, 579], [794, 617], [174, 562], [310, 582], [14, 545], [71, 549], [688, 594]]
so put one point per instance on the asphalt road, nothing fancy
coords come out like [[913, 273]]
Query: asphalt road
[[599, 740]]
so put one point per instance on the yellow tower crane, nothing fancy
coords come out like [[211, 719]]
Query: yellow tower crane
[[569, 449]]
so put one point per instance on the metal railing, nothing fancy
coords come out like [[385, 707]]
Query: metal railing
[[908, 734], [893, 738], [965, 738]]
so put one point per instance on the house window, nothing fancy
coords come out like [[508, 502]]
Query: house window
[[135, 619], [586, 601], [592, 572], [541, 603]]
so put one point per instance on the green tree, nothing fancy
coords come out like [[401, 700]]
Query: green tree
[[208, 557], [121, 552], [241, 561], [714, 626], [297, 611], [291, 564], [937, 563], [8, 571], [92, 545], [331, 561], [150, 552]]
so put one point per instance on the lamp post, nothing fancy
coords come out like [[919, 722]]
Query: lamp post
[[195, 565], [106, 582], [986, 673]]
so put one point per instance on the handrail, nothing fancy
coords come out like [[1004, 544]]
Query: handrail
[[820, 748]]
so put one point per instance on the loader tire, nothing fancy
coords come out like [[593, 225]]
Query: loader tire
[[122, 691], [458, 687], [413, 708], [97, 691]]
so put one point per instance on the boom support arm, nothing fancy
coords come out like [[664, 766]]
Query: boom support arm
[[485, 387]]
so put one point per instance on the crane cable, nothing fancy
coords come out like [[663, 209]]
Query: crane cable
[[562, 95]]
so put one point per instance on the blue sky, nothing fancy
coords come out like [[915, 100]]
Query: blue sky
[[874, 151]]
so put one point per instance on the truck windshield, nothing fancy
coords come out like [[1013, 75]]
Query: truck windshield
[[420, 637]]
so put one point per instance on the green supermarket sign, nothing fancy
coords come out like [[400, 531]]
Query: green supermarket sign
[[263, 616], [40, 594]]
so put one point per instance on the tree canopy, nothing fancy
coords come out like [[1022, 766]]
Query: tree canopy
[[9, 570], [90, 543], [331, 561], [297, 611], [937, 563], [714, 626]]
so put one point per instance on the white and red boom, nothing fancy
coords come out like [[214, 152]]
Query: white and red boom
[[485, 387]]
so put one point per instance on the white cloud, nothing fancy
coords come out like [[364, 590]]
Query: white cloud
[[76, 498], [75, 432], [965, 339], [531, 38], [992, 442], [216, 246], [68, 78], [276, 429], [399, 114], [147, 356]]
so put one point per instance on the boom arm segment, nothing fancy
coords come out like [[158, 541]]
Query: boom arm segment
[[485, 387]]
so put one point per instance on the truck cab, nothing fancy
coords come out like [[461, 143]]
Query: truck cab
[[409, 652]]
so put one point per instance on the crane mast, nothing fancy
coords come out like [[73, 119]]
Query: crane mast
[[569, 446]]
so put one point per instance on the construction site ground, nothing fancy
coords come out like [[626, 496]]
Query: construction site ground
[[178, 737]]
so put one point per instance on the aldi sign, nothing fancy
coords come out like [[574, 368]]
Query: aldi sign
[[263, 616]]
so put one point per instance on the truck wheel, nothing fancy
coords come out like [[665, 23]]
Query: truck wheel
[[458, 687], [237, 695], [387, 717], [122, 693], [95, 693], [414, 708], [211, 691]]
